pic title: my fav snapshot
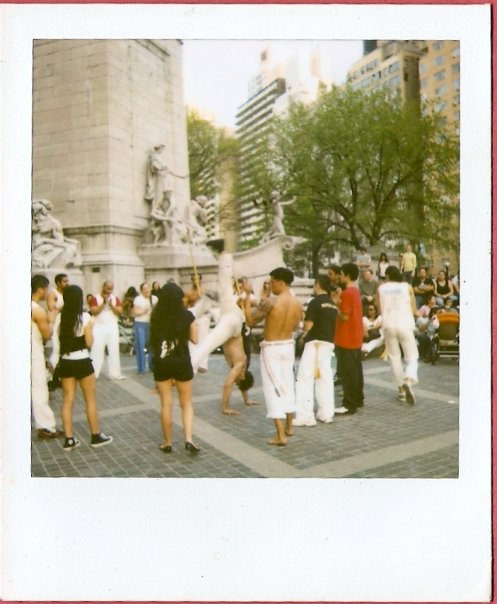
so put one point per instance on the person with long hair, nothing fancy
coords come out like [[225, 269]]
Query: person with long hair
[[383, 264], [73, 336], [172, 326]]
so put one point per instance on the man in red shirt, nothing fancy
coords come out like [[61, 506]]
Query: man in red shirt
[[348, 340]]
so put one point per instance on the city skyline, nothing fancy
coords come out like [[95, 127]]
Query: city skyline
[[216, 73]]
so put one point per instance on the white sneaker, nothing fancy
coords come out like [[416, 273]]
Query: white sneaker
[[401, 396], [341, 410], [328, 420], [118, 377], [304, 422]]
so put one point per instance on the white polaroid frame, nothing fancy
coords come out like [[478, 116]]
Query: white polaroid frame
[[232, 540]]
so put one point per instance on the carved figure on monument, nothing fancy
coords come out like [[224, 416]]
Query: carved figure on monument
[[49, 246], [196, 220], [167, 228], [277, 228], [158, 190]]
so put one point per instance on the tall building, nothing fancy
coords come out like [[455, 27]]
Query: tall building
[[419, 69], [389, 63], [439, 72], [279, 83]]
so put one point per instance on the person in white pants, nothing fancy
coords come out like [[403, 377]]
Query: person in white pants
[[315, 375], [232, 316], [41, 331], [106, 308], [200, 306], [397, 306]]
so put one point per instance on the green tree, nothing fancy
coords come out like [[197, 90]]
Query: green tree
[[363, 168], [208, 147]]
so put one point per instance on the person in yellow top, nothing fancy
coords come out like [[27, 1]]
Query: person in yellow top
[[408, 264]]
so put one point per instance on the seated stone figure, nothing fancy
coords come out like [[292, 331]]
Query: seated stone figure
[[49, 246]]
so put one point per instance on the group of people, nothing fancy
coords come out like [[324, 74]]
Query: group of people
[[348, 310]]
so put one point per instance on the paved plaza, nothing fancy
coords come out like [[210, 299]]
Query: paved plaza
[[385, 439]]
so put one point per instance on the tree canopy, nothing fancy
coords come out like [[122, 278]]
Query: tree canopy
[[363, 168]]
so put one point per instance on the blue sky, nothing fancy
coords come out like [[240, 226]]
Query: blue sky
[[216, 72]]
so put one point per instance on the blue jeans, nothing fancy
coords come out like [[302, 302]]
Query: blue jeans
[[142, 333]]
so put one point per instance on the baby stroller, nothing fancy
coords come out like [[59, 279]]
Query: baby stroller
[[127, 337], [445, 342]]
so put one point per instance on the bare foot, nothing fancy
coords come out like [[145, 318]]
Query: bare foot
[[230, 412], [289, 431], [276, 441], [251, 402]]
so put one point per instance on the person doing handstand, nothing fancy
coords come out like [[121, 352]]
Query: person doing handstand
[[228, 331]]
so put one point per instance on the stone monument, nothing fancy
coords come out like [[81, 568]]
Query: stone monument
[[100, 109], [51, 251]]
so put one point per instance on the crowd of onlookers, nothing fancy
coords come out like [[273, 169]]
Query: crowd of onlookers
[[435, 294]]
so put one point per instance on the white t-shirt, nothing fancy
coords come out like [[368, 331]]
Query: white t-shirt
[[145, 304], [106, 316], [395, 302]]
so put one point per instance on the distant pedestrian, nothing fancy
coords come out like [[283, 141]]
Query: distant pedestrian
[[397, 306], [315, 375], [142, 311], [171, 328], [348, 340], [383, 264], [408, 264], [41, 332], [73, 336]]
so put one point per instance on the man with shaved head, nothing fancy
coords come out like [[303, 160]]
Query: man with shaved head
[[106, 309]]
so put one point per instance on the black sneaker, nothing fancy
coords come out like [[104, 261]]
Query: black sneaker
[[70, 444], [100, 440]]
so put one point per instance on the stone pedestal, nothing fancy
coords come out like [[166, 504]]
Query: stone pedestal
[[257, 262], [163, 262]]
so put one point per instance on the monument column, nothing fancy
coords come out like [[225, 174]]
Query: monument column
[[99, 107]]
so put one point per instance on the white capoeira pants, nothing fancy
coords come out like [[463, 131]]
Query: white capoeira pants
[[316, 358], [278, 379], [106, 335], [231, 321], [43, 415], [394, 339], [373, 344], [229, 326], [203, 331]]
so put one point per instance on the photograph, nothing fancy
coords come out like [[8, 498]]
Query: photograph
[[258, 242], [161, 210]]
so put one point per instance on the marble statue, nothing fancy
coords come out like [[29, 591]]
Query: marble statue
[[49, 246], [158, 188], [196, 220], [277, 228]]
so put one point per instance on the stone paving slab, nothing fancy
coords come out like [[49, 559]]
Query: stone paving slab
[[385, 439]]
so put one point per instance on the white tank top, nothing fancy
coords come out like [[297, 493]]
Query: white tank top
[[395, 302]]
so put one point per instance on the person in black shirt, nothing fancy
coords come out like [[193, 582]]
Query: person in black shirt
[[73, 336], [315, 371], [172, 326]]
